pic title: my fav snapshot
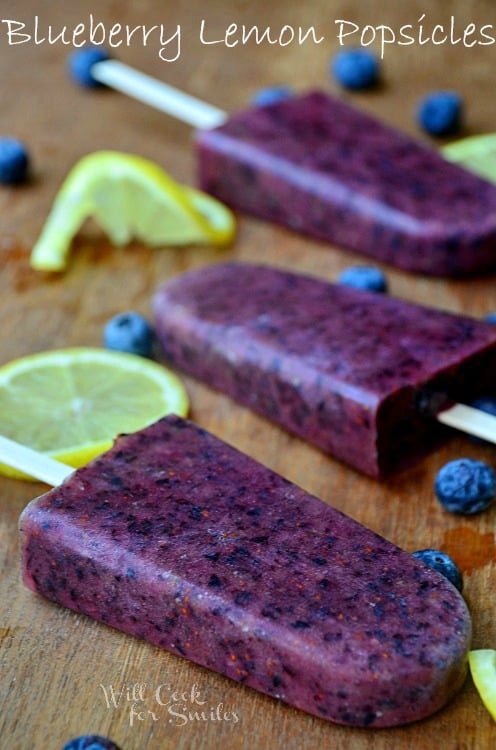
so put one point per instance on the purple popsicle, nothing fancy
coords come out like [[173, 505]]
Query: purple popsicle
[[176, 537], [319, 166], [342, 368]]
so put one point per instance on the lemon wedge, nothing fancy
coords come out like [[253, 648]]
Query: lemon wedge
[[483, 669], [477, 154], [72, 403], [129, 198]]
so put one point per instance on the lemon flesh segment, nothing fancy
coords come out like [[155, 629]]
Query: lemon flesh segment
[[477, 154], [129, 197], [483, 669], [72, 403]]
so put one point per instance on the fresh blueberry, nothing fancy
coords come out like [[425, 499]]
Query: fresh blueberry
[[14, 161], [465, 486], [443, 563], [355, 68], [90, 742], [486, 404], [490, 317], [369, 278], [440, 113], [271, 95], [129, 332], [81, 62]]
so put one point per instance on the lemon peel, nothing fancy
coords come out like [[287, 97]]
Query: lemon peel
[[129, 197], [482, 665], [72, 403]]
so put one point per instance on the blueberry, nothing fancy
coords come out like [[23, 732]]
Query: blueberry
[[465, 486], [364, 277], [440, 113], [81, 62], [90, 742], [488, 405], [129, 332], [490, 317], [355, 68], [271, 95], [14, 161], [443, 563], [485, 403]]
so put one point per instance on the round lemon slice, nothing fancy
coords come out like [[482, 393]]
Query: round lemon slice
[[483, 669], [129, 198], [477, 154], [72, 403]]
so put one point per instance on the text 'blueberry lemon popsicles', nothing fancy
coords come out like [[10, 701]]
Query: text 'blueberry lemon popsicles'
[[322, 167], [358, 374], [176, 537]]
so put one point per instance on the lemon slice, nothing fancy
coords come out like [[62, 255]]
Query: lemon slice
[[483, 669], [477, 154], [130, 198], [71, 403]]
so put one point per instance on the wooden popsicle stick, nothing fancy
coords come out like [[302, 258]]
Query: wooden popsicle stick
[[31, 462], [157, 94], [472, 421]]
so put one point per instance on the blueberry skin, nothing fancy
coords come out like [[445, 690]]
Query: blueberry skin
[[488, 405], [79, 65], [465, 486], [443, 563], [355, 68], [271, 95], [364, 277], [90, 742], [485, 403], [440, 113], [14, 161], [129, 332]]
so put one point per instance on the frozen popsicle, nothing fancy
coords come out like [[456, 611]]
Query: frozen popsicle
[[344, 369], [176, 537], [320, 166]]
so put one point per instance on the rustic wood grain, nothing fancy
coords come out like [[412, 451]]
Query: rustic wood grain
[[53, 662]]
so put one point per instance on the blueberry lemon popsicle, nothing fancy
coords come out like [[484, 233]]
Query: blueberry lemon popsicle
[[342, 368], [322, 167], [178, 538], [317, 165]]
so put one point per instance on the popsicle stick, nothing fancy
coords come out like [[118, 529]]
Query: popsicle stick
[[472, 421], [31, 462], [157, 94]]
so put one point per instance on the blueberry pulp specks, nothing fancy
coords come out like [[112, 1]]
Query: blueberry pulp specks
[[465, 486], [90, 742], [364, 277], [355, 68], [443, 563], [440, 113], [271, 95], [129, 332], [80, 63], [14, 161]]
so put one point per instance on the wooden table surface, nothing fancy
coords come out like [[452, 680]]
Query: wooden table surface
[[53, 663]]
